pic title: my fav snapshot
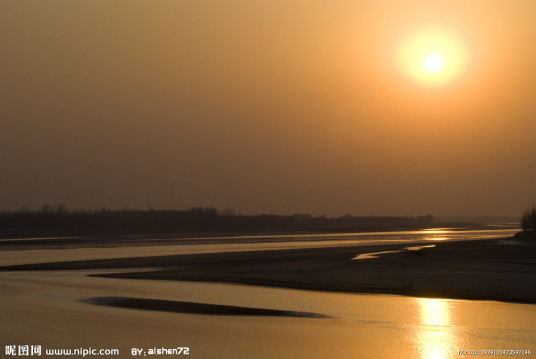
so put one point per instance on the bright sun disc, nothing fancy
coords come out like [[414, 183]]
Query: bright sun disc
[[433, 62], [432, 56]]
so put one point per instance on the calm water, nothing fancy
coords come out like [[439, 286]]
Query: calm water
[[45, 308]]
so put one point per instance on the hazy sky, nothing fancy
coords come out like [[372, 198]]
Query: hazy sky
[[294, 106]]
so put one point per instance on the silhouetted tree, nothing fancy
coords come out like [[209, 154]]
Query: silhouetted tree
[[528, 221]]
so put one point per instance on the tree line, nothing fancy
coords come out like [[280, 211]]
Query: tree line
[[60, 220]]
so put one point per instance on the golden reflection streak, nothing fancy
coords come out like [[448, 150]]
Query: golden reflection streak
[[435, 231], [435, 337], [438, 234]]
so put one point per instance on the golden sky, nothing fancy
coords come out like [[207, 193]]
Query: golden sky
[[269, 106]]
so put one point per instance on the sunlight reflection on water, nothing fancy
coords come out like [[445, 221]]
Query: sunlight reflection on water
[[436, 238], [377, 254], [436, 230], [436, 338], [437, 234]]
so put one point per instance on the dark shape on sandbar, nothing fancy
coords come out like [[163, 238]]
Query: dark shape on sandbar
[[196, 308], [528, 220]]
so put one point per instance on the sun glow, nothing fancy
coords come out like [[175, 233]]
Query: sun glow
[[433, 62], [432, 57]]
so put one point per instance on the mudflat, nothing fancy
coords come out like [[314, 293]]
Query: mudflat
[[492, 269]]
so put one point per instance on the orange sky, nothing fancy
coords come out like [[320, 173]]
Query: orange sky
[[283, 106]]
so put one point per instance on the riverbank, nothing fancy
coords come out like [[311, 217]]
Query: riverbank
[[494, 269]]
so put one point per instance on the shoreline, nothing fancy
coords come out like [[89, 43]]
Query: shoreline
[[24, 241], [488, 269]]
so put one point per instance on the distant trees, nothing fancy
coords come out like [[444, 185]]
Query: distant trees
[[227, 212], [528, 221], [59, 220]]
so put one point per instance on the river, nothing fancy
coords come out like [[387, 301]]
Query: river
[[46, 308]]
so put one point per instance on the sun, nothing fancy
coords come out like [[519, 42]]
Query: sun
[[433, 63], [432, 56]]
